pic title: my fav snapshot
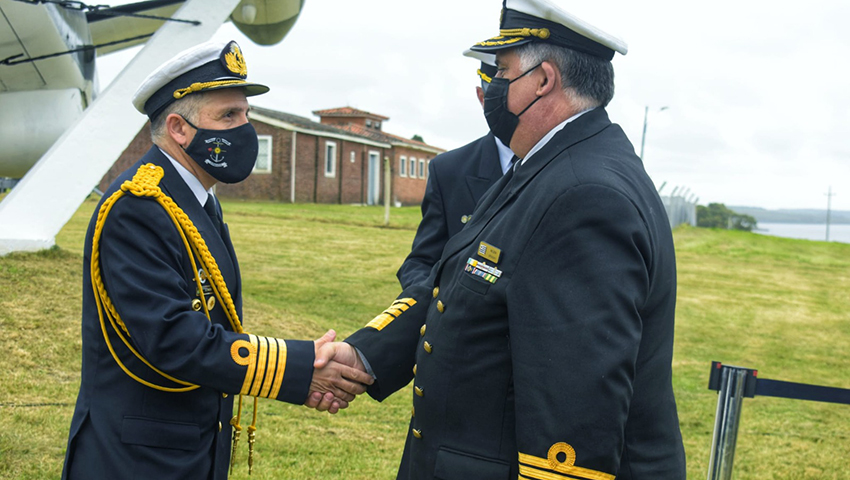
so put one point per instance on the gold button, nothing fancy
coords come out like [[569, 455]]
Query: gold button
[[436, 291], [427, 347], [422, 330], [417, 433], [223, 395], [419, 391], [414, 369], [413, 411], [219, 426], [196, 305], [210, 302], [440, 306]]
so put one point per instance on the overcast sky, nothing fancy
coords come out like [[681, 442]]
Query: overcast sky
[[758, 105]]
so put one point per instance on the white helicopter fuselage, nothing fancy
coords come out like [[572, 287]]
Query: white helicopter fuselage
[[40, 100]]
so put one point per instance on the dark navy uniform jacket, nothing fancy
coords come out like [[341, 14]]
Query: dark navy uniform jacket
[[457, 179], [123, 429], [551, 357]]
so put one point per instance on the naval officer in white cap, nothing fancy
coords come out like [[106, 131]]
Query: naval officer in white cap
[[457, 179], [164, 348], [540, 347]]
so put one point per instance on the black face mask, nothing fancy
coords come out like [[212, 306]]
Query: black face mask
[[501, 121], [227, 155]]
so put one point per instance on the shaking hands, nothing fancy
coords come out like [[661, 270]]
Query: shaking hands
[[338, 375]]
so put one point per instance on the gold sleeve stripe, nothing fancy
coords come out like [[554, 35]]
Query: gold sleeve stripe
[[261, 367], [396, 309], [561, 468], [281, 368], [496, 42], [250, 361], [535, 474], [270, 370]]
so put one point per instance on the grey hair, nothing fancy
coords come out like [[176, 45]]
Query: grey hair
[[586, 79], [189, 107]]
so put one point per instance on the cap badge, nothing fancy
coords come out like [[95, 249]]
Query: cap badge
[[234, 61]]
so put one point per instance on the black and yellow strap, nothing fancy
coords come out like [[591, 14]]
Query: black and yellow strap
[[553, 468]]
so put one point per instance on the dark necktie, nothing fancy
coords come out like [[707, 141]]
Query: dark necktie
[[515, 163], [212, 211]]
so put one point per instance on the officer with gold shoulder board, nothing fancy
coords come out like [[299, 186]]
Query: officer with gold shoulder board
[[164, 349], [541, 345]]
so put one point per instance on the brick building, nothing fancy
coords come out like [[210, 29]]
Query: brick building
[[336, 160]]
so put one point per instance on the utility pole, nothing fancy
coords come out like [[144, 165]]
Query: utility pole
[[643, 136], [828, 210]]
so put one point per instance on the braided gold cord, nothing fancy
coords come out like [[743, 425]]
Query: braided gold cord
[[145, 184], [542, 33], [201, 86]]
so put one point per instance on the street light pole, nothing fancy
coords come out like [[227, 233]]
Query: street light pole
[[828, 210], [643, 137]]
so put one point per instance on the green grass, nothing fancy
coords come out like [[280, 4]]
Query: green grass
[[778, 305]]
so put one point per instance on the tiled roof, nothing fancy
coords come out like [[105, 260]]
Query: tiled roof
[[348, 129], [348, 112], [296, 120]]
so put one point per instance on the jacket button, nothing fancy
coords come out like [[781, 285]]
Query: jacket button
[[219, 426], [417, 433], [197, 305], [422, 330], [436, 291], [441, 307], [419, 391], [414, 369], [210, 302], [223, 395], [427, 346]]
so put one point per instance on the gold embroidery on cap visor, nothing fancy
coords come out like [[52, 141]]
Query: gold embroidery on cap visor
[[397, 308], [487, 79], [514, 35]]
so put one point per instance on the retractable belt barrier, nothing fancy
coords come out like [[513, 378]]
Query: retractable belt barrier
[[733, 384]]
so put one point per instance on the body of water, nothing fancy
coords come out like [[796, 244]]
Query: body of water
[[808, 231]]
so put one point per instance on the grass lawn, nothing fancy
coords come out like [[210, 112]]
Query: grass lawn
[[778, 305]]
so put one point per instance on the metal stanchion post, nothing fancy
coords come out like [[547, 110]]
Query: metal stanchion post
[[734, 384]]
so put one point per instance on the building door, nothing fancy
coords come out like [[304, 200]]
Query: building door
[[373, 189]]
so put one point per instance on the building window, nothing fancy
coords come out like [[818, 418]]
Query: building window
[[421, 168], [377, 125], [353, 156], [412, 169], [368, 123], [264, 155], [330, 158], [402, 166]]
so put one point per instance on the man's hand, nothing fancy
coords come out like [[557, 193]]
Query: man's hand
[[338, 375]]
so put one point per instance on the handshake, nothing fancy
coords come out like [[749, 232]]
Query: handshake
[[338, 375]]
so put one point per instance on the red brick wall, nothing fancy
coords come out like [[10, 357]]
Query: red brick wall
[[408, 189], [349, 185]]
